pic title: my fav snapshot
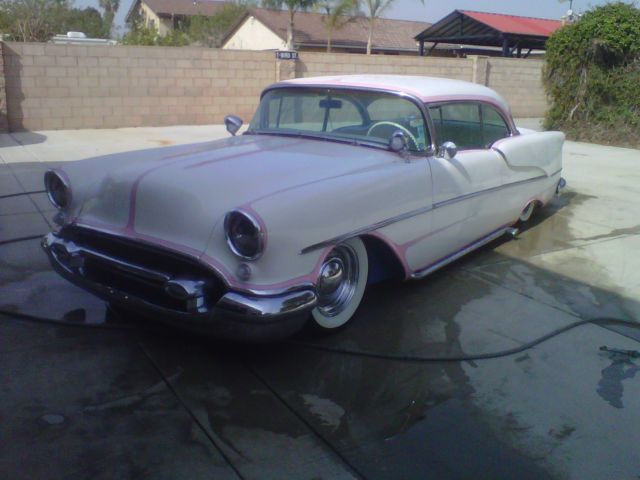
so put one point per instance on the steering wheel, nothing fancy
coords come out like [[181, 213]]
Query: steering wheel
[[397, 125]]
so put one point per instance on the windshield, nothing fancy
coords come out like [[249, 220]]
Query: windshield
[[361, 116]]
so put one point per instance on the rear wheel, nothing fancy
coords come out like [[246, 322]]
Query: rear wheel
[[340, 285]]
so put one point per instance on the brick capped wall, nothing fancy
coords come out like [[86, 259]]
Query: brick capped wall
[[66, 87]]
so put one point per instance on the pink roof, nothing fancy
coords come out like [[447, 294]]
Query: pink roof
[[427, 89], [515, 24]]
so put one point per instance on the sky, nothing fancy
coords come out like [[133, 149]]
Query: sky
[[433, 10]]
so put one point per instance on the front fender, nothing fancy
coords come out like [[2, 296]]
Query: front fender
[[306, 215]]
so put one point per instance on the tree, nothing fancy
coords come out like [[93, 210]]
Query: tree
[[88, 21], [174, 38], [146, 36], [375, 8], [592, 76], [209, 31], [198, 30], [140, 36], [337, 14], [110, 8], [39, 20], [292, 6]]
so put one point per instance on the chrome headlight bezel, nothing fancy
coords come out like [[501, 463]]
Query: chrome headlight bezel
[[58, 189], [231, 222]]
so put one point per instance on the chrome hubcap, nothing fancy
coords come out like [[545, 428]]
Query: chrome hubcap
[[337, 281]]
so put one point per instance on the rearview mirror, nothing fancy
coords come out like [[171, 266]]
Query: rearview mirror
[[448, 150], [398, 141], [233, 123], [330, 103]]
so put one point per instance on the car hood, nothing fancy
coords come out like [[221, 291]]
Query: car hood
[[179, 194]]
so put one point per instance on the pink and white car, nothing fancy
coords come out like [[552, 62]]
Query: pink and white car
[[338, 182]]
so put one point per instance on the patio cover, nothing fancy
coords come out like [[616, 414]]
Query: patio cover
[[512, 33]]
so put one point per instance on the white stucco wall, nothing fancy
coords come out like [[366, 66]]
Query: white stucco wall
[[254, 35], [151, 20]]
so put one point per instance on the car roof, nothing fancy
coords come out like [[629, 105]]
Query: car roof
[[427, 89]]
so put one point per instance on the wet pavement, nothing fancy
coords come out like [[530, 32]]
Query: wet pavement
[[92, 395]]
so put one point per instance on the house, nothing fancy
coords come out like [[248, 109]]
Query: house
[[165, 15], [266, 29], [489, 33]]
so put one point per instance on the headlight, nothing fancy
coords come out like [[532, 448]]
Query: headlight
[[244, 235], [58, 189]]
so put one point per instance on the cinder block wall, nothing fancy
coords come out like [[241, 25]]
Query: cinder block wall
[[4, 122], [519, 81], [66, 87], [61, 86], [314, 64]]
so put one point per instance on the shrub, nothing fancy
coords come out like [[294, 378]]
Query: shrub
[[592, 76], [149, 37]]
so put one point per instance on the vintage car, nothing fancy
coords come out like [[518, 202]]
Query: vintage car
[[337, 182]]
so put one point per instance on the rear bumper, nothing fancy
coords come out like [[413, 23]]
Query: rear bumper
[[235, 315]]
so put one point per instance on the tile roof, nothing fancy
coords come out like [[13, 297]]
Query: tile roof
[[309, 30], [515, 24]]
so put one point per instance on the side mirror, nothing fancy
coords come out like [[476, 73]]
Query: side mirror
[[448, 150], [233, 123], [398, 141]]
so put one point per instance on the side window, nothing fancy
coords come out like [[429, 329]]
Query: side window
[[459, 123], [493, 125]]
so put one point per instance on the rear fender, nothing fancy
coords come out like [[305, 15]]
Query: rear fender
[[539, 149]]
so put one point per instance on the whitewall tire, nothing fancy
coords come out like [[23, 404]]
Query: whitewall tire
[[341, 285]]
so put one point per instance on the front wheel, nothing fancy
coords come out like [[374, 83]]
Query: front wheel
[[340, 285]]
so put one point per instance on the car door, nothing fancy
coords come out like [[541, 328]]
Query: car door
[[466, 187]]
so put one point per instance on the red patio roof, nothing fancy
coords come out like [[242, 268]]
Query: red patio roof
[[515, 24]]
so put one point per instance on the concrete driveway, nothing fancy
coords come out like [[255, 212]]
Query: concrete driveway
[[91, 396]]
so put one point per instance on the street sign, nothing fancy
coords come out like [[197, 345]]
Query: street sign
[[286, 55]]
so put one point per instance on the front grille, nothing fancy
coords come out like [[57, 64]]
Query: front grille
[[172, 264]]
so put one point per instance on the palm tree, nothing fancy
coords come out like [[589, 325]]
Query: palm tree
[[375, 8], [292, 7], [337, 13], [110, 8]]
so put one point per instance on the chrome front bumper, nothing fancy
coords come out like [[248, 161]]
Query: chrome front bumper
[[235, 315]]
